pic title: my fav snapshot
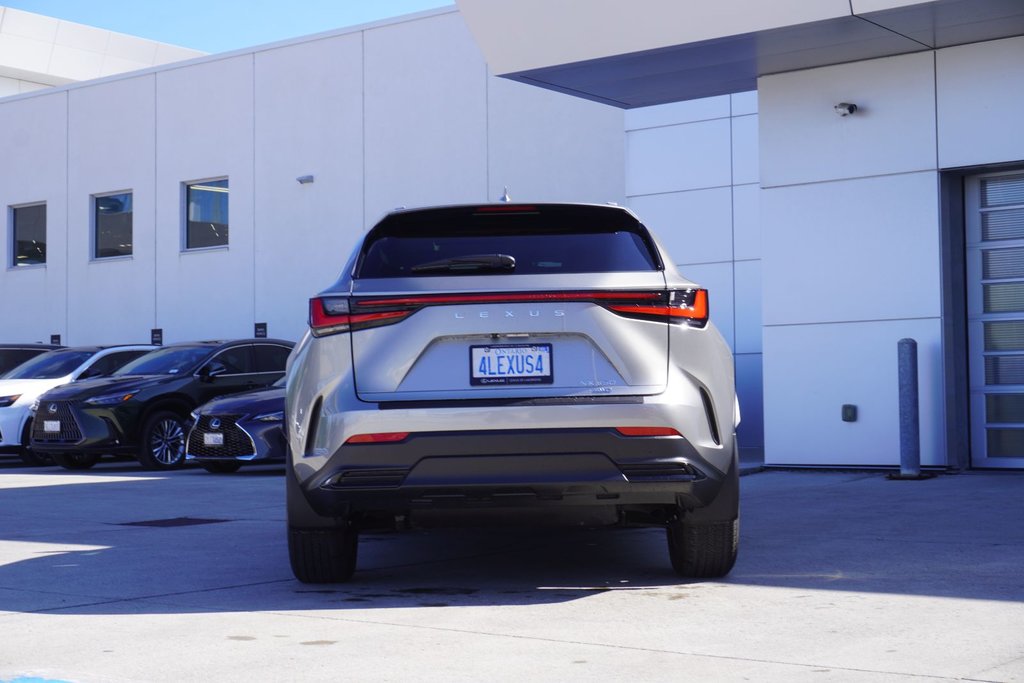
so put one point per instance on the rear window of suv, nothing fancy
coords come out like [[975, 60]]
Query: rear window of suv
[[495, 241]]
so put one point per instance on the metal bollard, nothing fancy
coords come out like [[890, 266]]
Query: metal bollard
[[910, 424], [910, 427]]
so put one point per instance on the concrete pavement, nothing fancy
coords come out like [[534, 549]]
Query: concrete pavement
[[842, 576]]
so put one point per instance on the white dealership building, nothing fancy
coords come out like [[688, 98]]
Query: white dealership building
[[841, 174]]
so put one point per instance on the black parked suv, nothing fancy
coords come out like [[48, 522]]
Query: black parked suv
[[142, 410]]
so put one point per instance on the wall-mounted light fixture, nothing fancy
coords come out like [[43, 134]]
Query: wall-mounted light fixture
[[845, 108], [305, 179]]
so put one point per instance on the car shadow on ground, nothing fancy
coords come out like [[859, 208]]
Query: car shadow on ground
[[126, 541]]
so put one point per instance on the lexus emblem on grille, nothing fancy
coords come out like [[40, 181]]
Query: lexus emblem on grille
[[215, 423], [52, 409]]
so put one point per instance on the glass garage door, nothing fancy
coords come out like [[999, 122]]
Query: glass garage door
[[995, 309]]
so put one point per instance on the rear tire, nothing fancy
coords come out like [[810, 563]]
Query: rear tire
[[221, 467], [76, 461], [323, 555], [703, 550], [162, 444]]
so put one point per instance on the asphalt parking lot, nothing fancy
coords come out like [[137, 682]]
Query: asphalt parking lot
[[842, 576]]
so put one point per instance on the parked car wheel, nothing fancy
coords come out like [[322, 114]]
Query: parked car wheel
[[323, 555], [162, 446], [27, 455], [705, 550], [76, 461], [221, 467]]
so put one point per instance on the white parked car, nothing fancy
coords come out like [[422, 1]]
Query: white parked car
[[20, 388]]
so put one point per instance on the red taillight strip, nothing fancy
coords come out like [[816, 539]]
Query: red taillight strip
[[381, 437], [522, 297], [647, 431]]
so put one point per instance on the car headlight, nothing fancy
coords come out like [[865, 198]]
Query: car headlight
[[109, 399], [270, 417], [6, 401]]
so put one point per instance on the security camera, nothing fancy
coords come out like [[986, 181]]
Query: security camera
[[845, 108]]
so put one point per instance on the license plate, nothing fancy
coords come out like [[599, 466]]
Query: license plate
[[51, 426], [213, 439], [510, 364]]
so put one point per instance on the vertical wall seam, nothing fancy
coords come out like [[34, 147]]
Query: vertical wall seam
[[156, 201], [362, 121], [67, 215], [732, 221], [487, 134], [935, 102], [253, 194]]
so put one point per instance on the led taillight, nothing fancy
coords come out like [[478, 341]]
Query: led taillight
[[686, 305], [332, 315], [647, 431], [381, 437]]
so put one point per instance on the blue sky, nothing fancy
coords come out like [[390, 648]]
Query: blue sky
[[222, 25]]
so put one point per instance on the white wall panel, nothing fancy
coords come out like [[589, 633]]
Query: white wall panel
[[684, 157], [308, 122], [33, 149], [112, 145], [425, 116], [803, 139], [745, 150], [717, 279], [981, 103], [9, 86], [547, 146], [865, 249], [204, 129], [747, 281], [694, 226], [746, 217], [678, 112], [744, 103], [810, 371]]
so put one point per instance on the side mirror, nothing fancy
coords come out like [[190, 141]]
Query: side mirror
[[211, 370]]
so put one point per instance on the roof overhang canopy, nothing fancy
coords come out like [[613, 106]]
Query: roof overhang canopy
[[645, 52]]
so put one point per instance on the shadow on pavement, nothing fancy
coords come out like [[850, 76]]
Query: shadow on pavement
[[72, 543]]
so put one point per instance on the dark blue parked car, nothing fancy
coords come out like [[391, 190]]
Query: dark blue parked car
[[235, 430]]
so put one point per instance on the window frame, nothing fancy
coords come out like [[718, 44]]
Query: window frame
[[12, 236], [185, 185], [94, 226]]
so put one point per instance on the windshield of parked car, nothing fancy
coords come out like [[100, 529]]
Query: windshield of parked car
[[521, 241], [50, 365], [174, 360]]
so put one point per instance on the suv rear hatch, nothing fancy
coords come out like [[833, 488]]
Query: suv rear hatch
[[507, 301]]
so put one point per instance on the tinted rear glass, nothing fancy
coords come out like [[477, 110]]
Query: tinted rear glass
[[445, 243]]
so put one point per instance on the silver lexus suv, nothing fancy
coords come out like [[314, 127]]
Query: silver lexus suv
[[505, 359]]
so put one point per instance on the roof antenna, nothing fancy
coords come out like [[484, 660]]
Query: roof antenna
[[505, 198]]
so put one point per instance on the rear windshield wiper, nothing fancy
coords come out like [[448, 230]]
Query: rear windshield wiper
[[469, 263]]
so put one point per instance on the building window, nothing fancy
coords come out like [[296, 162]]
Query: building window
[[206, 211], [28, 229], [112, 218]]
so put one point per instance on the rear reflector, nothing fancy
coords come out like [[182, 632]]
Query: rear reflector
[[382, 437], [647, 431]]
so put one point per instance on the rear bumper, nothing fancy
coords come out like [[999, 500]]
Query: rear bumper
[[516, 469]]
